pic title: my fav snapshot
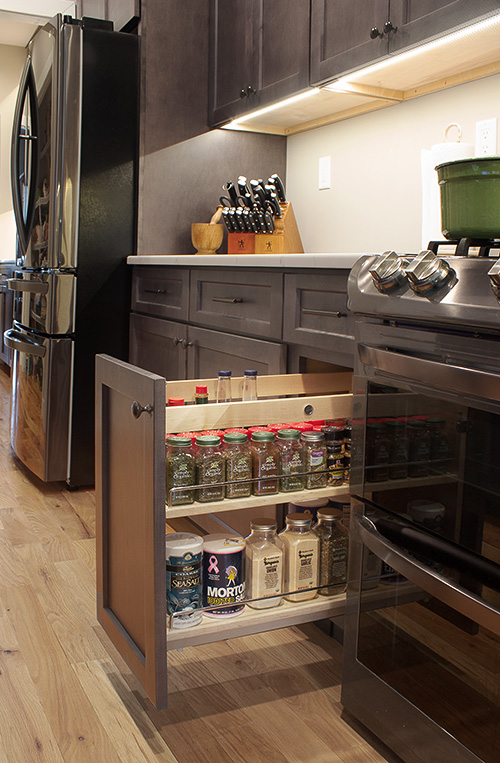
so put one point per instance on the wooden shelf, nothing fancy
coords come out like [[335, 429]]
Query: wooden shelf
[[254, 501], [257, 620]]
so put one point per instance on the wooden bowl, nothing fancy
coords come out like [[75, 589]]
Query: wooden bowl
[[206, 237]]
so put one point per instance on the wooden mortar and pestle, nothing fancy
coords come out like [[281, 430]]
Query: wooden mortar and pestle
[[207, 237]]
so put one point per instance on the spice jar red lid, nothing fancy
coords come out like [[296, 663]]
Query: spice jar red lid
[[213, 432], [192, 435], [201, 389], [277, 427], [242, 430], [175, 401], [303, 426]]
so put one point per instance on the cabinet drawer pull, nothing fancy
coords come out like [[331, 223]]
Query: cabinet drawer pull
[[329, 313], [232, 300], [155, 291], [136, 409]]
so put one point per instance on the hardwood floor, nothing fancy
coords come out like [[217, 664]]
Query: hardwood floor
[[66, 695]]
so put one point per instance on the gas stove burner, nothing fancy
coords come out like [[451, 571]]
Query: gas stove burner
[[464, 246]]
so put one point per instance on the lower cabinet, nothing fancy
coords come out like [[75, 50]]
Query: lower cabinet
[[133, 508]]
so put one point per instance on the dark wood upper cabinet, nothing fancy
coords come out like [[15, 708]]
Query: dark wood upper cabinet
[[345, 37], [259, 53]]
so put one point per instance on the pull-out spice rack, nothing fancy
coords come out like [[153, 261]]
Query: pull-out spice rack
[[132, 422]]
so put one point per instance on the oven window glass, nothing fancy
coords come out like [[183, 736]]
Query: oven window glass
[[441, 662], [437, 463]]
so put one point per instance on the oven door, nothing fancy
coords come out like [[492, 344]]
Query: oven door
[[421, 653]]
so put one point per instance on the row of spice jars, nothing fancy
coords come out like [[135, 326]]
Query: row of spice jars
[[416, 446], [220, 573], [286, 461]]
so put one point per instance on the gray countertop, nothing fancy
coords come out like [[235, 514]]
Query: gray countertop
[[338, 261]]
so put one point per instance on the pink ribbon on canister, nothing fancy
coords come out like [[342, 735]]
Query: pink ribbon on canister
[[213, 565]]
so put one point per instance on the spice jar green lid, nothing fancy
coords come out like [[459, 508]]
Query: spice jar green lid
[[235, 437], [179, 442], [207, 440], [263, 436], [288, 434]]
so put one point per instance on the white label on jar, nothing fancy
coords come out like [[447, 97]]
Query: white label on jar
[[316, 457]]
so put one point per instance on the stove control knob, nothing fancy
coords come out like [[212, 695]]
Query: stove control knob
[[494, 274], [388, 272], [427, 272]]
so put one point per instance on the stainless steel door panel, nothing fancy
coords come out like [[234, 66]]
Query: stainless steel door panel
[[41, 402], [45, 301]]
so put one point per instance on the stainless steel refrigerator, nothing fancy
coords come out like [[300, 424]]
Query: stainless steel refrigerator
[[73, 166]]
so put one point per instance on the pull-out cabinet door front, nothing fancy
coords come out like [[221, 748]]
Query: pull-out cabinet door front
[[130, 498]]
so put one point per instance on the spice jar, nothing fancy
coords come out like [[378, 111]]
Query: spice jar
[[263, 564], [238, 464], [265, 458], [301, 547], [398, 450], [335, 454], [333, 543], [180, 467], [418, 449], [439, 446], [314, 458], [291, 460], [210, 468], [377, 453]]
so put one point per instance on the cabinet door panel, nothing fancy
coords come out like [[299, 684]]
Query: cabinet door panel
[[157, 346], [232, 57], [340, 36], [212, 351], [283, 47], [130, 519], [426, 19]]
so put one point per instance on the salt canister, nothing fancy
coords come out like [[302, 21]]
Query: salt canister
[[184, 592], [223, 574]]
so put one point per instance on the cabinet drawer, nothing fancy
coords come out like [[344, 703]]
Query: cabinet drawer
[[241, 301], [315, 310], [160, 291]]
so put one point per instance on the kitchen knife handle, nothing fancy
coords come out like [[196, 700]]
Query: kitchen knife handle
[[232, 300], [325, 313]]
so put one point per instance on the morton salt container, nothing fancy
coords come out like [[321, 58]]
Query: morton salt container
[[223, 574], [184, 558]]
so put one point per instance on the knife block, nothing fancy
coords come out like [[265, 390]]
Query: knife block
[[284, 240]]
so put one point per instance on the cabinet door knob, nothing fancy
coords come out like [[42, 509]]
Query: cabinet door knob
[[186, 344], [389, 27], [248, 91], [176, 341], [137, 409], [375, 32]]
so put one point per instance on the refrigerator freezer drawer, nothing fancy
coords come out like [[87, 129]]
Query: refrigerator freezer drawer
[[44, 301], [41, 402]]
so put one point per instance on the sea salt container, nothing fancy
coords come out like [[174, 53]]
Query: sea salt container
[[184, 578]]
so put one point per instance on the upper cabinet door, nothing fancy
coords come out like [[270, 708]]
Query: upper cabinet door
[[259, 53], [418, 22], [342, 38]]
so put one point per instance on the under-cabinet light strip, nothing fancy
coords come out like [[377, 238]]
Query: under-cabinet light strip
[[274, 106], [343, 83]]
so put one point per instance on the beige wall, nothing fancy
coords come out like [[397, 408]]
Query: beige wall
[[11, 63], [375, 202]]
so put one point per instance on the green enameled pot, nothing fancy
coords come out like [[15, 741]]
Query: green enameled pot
[[470, 198]]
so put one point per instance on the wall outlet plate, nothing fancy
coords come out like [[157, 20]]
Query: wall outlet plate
[[486, 137], [324, 173]]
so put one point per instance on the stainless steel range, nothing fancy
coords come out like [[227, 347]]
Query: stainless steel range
[[422, 642]]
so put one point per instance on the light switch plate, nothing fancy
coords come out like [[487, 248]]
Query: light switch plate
[[486, 137], [324, 173]]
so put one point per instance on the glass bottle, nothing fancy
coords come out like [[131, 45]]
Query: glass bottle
[[301, 546], [180, 470], [314, 458], [249, 385], [210, 468], [418, 449], [264, 564], [201, 394], [238, 464], [333, 543], [291, 460], [265, 458], [224, 387]]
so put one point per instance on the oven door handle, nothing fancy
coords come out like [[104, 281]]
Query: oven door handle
[[451, 594], [451, 378]]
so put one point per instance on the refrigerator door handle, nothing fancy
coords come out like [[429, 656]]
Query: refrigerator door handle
[[36, 287], [27, 90], [16, 340], [456, 597]]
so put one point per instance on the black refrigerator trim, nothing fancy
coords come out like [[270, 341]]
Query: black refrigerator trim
[[27, 90]]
